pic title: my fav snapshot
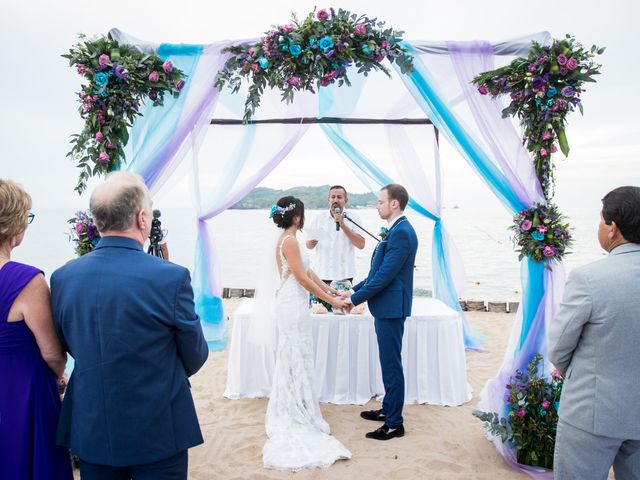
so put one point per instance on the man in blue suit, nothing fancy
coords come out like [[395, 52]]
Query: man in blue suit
[[389, 290], [128, 320]]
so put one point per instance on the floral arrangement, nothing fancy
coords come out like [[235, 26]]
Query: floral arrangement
[[542, 233], [311, 54], [532, 404], [83, 232], [278, 210], [119, 78], [384, 232], [544, 88]]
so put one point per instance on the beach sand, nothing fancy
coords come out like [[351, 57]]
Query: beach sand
[[440, 442]]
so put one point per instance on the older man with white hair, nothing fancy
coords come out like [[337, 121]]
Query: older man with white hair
[[128, 320]]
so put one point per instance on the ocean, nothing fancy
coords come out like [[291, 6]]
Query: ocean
[[481, 236]]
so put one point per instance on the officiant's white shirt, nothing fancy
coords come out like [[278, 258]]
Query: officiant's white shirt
[[335, 256]]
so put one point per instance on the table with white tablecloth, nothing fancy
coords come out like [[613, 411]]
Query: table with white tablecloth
[[347, 369]]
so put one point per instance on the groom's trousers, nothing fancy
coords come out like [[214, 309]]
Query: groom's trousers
[[581, 455], [389, 333]]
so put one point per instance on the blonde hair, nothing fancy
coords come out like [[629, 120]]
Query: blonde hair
[[15, 204]]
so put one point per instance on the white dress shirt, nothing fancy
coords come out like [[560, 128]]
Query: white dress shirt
[[334, 257]]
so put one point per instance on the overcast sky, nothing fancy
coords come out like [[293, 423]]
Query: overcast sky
[[39, 109]]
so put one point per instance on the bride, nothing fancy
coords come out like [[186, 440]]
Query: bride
[[298, 436]]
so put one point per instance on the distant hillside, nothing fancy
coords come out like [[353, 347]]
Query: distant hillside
[[313, 197]]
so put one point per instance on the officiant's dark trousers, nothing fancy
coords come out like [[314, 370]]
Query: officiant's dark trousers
[[389, 333], [172, 468]]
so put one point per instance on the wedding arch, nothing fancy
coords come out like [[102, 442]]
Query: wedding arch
[[438, 90]]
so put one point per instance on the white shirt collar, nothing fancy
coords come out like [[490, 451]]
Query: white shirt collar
[[395, 220]]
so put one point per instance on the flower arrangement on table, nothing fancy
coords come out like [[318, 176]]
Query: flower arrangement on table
[[311, 54], [542, 233], [544, 88], [119, 78], [532, 402], [83, 232]]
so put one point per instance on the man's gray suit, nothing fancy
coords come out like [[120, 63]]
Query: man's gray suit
[[595, 342]]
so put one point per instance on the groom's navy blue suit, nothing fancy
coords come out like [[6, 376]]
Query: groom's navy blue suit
[[128, 320], [389, 290]]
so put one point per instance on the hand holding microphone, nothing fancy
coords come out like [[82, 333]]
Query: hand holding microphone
[[337, 214]]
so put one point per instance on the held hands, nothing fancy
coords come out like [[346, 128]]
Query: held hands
[[340, 303]]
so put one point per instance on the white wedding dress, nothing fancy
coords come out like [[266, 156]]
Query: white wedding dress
[[298, 435]]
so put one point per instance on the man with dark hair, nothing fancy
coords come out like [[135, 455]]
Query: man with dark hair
[[388, 289], [593, 341], [128, 320], [334, 239]]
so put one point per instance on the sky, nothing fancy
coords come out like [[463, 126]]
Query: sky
[[39, 110]]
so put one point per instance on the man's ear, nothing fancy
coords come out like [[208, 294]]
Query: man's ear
[[140, 220], [613, 230]]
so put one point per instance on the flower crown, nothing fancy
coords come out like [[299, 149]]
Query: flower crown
[[277, 210]]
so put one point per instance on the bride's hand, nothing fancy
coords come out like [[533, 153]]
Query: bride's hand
[[340, 303]]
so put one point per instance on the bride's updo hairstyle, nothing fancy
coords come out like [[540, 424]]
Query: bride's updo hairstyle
[[284, 211]]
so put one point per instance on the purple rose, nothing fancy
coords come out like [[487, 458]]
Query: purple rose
[[548, 251], [294, 81], [520, 413], [568, 91], [180, 83], [91, 232], [557, 232], [103, 158], [153, 94], [322, 15], [154, 77], [564, 70], [167, 66], [554, 149], [104, 60], [79, 228], [546, 404], [483, 89], [99, 136], [532, 67], [556, 374], [561, 60], [572, 64], [546, 135], [541, 229], [251, 51], [361, 29], [118, 70], [537, 83], [526, 225], [543, 152], [81, 68]]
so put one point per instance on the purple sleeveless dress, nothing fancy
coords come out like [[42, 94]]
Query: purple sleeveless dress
[[29, 399]]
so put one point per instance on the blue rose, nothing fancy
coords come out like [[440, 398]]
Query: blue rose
[[365, 49], [101, 79], [295, 50], [537, 236], [384, 231], [264, 62], [274, 210], [551, 92], [325, 43]]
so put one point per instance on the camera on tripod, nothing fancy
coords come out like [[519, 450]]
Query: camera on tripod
[[155, 237]]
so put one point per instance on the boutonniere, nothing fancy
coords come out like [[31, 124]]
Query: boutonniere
[[384, 232]]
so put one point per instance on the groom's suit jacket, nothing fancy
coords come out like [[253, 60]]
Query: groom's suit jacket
[[389, 286], [128, 320], [595, 341]]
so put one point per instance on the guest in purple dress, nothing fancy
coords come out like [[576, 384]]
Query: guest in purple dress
[[32, 360]]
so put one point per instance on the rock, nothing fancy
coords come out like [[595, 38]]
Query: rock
[[497, 307], [513, 307], [476, 306]]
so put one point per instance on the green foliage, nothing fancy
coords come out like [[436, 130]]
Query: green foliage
[[120, 78], [313, 198], [532, 403], [544, 88], [311, 54]]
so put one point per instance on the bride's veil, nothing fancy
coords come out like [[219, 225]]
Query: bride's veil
[[262, 327]]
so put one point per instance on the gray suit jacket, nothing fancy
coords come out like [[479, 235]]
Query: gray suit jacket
[[595, 341]]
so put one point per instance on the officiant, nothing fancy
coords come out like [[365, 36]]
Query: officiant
[[335, 240]]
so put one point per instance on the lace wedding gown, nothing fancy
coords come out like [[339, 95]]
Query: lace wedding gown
[[298, 435]]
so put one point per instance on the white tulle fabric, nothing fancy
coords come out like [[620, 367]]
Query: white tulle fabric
[[299, 437]]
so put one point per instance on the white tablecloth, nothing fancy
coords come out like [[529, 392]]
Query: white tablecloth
[[346, 358]]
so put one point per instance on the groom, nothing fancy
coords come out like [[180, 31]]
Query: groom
[[389, 290]]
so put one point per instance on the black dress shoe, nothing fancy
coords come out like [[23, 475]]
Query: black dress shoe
[[385, 433], [375, 415]]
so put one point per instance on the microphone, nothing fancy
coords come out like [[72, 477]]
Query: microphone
[[336, 210]]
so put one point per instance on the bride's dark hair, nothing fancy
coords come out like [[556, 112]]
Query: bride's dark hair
[[283, 217]]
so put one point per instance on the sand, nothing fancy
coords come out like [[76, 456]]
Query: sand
[[440, 442]]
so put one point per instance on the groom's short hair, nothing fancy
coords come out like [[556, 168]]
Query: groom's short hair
[[622, 205], [395, 191]]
